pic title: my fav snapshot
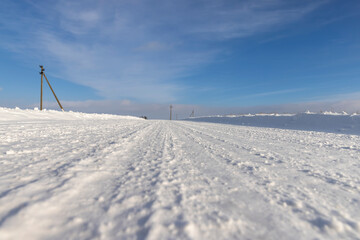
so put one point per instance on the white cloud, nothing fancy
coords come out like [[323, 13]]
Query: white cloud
[[129, 75], [247, 18], [136, 49], [271, 93]]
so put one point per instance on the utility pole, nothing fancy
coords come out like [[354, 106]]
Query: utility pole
[[41, 95], [171, 111], [41, 91]]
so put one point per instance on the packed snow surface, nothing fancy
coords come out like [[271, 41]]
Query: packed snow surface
[[97, 177]]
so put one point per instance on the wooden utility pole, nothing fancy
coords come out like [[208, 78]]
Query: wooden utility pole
[[192, 113], [171, 111], [41, 94], [41, 98]]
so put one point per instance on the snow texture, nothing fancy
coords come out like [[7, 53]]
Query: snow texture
[[83, 176], [324, 122]]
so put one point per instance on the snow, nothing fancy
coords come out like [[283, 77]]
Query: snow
[[83, 176], [324, 122], [21, 115]]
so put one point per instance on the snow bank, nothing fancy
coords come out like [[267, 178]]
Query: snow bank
[[20, 115], [324, 122]]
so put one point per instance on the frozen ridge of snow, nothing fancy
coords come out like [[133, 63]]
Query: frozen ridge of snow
[[17, 114], [127, 178], [325, 122]]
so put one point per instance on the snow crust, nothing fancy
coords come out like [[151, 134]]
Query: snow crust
[[112, 177], [324, 122]]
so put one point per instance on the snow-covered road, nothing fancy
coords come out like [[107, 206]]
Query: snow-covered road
[[137, 179]]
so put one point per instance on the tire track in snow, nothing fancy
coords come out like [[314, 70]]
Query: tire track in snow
[[230, 197], [150, 195], [134, 197]]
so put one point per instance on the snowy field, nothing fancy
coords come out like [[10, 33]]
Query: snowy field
[[319, 122], [80, 176]]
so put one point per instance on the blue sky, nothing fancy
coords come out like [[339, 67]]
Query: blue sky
[[133, 57]]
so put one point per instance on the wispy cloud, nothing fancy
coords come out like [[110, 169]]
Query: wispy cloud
[[286, 91], [136, 49], [269, 93], [247, 18], [338, 97]]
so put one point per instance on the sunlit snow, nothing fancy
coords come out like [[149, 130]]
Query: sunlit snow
[[66, 175]]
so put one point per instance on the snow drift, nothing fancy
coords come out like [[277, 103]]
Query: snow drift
[[320, 122], [18, 115]]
